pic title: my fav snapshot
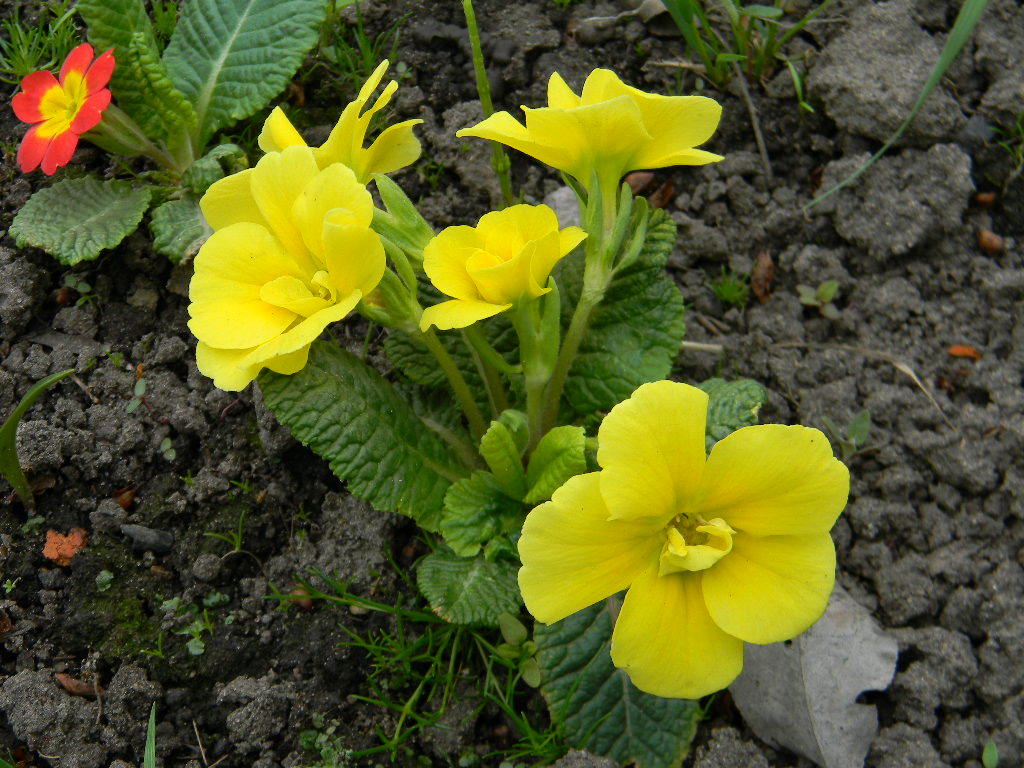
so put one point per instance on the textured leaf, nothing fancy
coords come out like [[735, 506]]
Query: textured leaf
[[222, 160], [731, 405], [602, 710], [149, 95], [179, 228], [231, 57], [468, 590], [352, 417], [559, 456], [803, 695], [499, 449], [635, 332], [74, 219], [476, 510]]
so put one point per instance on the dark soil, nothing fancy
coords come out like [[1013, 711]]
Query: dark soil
[[932, 541]]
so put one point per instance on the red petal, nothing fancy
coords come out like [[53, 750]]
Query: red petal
[[34, 86], [100, 71], [91, 112], [32, 149], [59, 153], [78, 61], [26, 107]]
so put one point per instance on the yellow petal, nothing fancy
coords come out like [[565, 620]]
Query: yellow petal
[[508, 281], [771, 479], [505, 232], [335, 188], [676, 124], [301, 335], [772, 588], [560, 95], [458, 313], [667, 643], [278, 133], [277, 181], [229, 201], [444, 261], [238, 325], [354, 256], [504, 128], [395, 148], [290, 363], [292, 294], [221, 365], [242, 253], [651, 447], [573, 556]]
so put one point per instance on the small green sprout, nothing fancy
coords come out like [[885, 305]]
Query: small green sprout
[[79, 286], [138, 396], [432, 173], [820, 298], [851, 440], [33, 525], [519, 649], [167, 449], [10, 467], [215, 599], [731, 288], [149, 756], [158, 651], [188, 478], [25, 49], [9, 585], [103, 581], [990, 755]]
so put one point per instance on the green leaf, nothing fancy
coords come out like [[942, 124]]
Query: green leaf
[[762, 11], [559, 455], [467, 590], [10, 467], [352, 417], [731, 405], [179, 228], [231, 57], [222, 160], [827, 291], [149, 755], [603, 712], [476, 510], [149, 95], [635, 332], [499, 449], [74, 219], [859, 428]]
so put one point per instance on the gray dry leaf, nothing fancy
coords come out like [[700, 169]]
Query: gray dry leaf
[[803, 696]]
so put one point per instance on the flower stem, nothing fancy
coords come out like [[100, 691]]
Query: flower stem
[[488, 362], [457, 382], [499, 160]]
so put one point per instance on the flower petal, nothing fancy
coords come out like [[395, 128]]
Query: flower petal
[[278, 133], [560, 95], [772, 588], [59, 153], [91, 112], [301, 335], [229, 201], [334, 189], [100, 71], [458, 313], [772, 479], [504, 128], [651, 448], [573, 556], [221, 365], [77, 61], [668, 644], [444, 261], [277, 181], [396, 147], [354, 257], [33, 87], [32, 149]]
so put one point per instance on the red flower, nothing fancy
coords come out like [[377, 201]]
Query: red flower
[[62, 109]]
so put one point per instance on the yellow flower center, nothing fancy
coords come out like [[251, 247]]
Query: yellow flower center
[[296, 296], [694, 544], [60, 105]]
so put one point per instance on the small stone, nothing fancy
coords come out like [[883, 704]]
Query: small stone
[[206, 567], [149, 539]]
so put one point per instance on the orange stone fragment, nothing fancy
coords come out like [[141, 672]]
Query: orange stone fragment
[[60, 548]]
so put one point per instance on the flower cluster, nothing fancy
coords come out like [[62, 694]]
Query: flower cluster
[[61, 109], [714, 553]]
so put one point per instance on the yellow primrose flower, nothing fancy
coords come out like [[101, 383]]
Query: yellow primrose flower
[[292, 252], [610, 128], [507, 256], [396, 146], [714, 553]]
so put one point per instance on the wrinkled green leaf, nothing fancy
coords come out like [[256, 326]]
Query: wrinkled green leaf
[[603, 712], [476, 510], [74, 219], [113, 24], [179, 228], [149, 96], [636, 331], [231, 57], [221, 161], [467, 590], [499, 450], [10, 467], [559, 455], [352, 417], [731, 405]]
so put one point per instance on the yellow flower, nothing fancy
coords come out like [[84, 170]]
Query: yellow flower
[[292, 252], [611, 129], [396, 146], [488, 268], [714, 553]]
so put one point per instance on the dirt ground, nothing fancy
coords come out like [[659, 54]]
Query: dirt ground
[[932, 542]]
